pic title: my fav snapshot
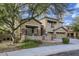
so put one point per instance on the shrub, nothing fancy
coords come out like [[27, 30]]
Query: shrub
[[65, 40], [30, 43], [31, 40]]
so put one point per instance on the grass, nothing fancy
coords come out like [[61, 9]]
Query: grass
[[30, 43], [6, 46]]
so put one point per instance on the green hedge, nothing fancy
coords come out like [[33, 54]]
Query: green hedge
[[65, 40], [30, 43], [32, 40]]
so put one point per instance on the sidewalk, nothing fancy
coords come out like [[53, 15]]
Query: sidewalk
[[42, 51]]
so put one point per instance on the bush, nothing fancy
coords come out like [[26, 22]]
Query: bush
[[30, 43], [31, 40], [65, 40]]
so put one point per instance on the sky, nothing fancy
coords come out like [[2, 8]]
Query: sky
[[68, 18]]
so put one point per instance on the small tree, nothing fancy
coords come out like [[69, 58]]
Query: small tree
[[75, 25]]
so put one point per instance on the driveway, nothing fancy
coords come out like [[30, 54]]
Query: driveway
[[74, 41], [46, 50]]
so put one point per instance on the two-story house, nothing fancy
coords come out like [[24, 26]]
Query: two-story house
[[48, 27]]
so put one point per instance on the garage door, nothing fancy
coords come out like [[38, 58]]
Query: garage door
[[60, 34]]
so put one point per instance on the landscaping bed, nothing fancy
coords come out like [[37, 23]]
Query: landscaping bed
[[7, 46]]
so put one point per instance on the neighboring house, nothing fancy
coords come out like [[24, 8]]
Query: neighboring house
[[71, 32]]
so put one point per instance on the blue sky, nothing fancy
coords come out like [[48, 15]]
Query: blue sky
[[68, 18]]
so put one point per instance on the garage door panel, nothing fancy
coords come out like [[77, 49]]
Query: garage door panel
[[60, 34]]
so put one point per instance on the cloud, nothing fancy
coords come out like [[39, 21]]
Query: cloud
[[77, 5], [74, 15]]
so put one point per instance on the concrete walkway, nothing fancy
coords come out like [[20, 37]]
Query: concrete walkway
[[42, 51]]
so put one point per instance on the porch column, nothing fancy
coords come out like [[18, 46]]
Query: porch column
[[39, 31], [66, 34], [54, 34], [74, 34]]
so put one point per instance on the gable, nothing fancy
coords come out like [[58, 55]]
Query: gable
[[33, 22], [61, 29]]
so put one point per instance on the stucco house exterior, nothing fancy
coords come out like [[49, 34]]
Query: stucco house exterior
[[44, 29], [54, 28], [60, 32], [32, 29], [71, 32]]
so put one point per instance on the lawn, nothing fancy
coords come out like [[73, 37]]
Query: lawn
[[30, 43]]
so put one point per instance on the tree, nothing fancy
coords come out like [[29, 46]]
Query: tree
[[75, 25], [59, 9], [11, 13]]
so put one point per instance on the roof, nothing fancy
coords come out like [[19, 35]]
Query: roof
[[49, 18], [51, 21], [59, 28], [31, 19]]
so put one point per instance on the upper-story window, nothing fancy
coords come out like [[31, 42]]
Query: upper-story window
[[52, 23], [70, 28]]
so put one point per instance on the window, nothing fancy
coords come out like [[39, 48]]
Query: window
[[29, 31], [32, 31], [52, 23], [60, 32]]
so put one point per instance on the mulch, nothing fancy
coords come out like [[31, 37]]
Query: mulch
[[9, 49]]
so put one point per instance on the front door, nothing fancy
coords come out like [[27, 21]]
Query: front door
[[72, 35]]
